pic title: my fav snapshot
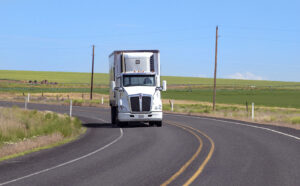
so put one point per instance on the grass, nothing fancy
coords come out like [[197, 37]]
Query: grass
[[175, 80], [31, 89], [86, 102], [102, 78], [262, 114], [59, 77], [267, 97], [35, 149], [29, 130], [17, 124], [295, 120], [230, 91]]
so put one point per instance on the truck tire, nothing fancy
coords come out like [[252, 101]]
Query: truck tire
[[115, 120], [158, 123], [113, 114]]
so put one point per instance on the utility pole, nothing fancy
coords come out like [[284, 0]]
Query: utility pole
[[215, 76], [92, 79]]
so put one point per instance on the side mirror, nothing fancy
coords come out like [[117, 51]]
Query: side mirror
[[158, 88], [118, 89], [164, 87], [112, 85]]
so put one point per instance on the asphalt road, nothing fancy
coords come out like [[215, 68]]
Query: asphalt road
[[186, 150]]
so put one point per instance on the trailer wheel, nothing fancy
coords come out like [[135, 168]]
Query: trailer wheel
[[158, 123]]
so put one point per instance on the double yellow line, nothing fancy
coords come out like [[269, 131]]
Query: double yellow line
[[195, 155]]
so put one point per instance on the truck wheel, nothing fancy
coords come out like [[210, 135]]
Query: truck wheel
[[115, 118], [113, 113], [116, 121], [159, 123]]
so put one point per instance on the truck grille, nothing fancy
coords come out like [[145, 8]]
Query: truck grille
[[135, 104], [146, 103]]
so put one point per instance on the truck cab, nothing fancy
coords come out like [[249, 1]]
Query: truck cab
[[135, 91]]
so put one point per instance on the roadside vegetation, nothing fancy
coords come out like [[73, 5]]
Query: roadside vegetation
[[102, 79], [23, 131], [288, 98], [229, 91], [276, 102], [266, 115]]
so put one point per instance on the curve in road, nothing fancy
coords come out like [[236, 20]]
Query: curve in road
[[187, 151]]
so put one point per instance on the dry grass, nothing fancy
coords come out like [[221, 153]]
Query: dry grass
[[84, 96], [29, 144], [24, 130], [9, 96], [79, 99], [288, 117], [209, 104]]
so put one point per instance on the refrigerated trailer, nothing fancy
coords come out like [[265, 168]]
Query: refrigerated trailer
[[135, 87]]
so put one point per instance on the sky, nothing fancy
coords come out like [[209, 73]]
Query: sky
[[257, 39]]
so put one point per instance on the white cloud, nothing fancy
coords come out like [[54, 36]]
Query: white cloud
[[247, 75], [202, 76]]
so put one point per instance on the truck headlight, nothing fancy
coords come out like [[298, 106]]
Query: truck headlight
[[156, 104], [158, 107], [123, 109], [123, 105]]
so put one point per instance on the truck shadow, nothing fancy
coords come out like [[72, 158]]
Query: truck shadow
[[109, 125], [97, 125]]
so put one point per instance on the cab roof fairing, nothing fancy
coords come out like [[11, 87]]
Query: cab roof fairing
[[132, 51], [137, 73]]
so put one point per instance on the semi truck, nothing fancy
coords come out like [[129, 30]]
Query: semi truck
[[135, 87]]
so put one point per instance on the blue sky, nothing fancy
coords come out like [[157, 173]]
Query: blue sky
[[258, 39]]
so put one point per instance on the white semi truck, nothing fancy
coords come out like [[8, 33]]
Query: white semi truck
[[135, 91]]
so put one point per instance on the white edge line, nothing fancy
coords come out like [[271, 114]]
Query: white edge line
[[68, 162], [236, 123]]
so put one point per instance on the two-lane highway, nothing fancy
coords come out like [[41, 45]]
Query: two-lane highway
[[186, 150]]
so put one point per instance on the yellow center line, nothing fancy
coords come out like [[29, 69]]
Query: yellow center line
[[208, 157], [203, 164], [182, 169]]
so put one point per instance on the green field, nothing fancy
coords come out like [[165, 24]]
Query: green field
[[230, 91], [101, 78], [264, 97], [59, 77]]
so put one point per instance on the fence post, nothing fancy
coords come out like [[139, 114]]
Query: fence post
[[70, 108], [102, 100], [247, 110], [25, 103], [28, 97], [252, 111], [172, 106]]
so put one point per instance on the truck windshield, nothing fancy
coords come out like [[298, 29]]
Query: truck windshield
[[138, 80]]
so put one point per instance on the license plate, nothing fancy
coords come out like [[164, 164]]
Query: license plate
[[141, 116]]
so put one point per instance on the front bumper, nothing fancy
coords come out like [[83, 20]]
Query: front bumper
[[153, 116]]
